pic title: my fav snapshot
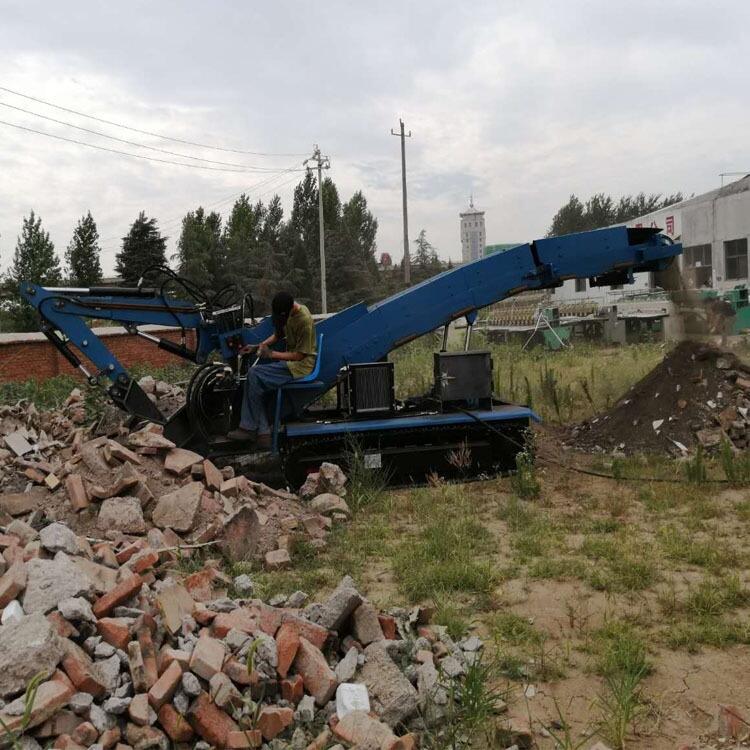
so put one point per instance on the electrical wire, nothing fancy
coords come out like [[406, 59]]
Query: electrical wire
[[133, 143], [139, 156], [577, 469], [145, 132]]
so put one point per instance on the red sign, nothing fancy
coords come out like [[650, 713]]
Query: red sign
[[670, 224]]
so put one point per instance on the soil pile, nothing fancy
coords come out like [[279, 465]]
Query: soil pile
[[698, 395]]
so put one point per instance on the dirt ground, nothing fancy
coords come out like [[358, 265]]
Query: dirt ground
[[585, 571]]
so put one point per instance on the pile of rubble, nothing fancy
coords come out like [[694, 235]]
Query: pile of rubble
[[698, 395], [52, 469], [102, 646]]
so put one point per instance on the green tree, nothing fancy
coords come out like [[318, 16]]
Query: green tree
[[34, 260], [142, 247], [82, 254], [201, 250], [245, 259]]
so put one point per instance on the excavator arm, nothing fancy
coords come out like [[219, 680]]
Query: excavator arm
[[358, 334]]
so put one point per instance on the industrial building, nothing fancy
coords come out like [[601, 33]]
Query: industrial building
[[714, 229]]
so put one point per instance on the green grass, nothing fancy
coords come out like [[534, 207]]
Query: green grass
[[713, 554], [703, 616], [556, 383], [622, 562], [619, 647]]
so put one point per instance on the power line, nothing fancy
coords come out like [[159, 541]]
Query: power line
[[138, 156], [144, 132], [132, 143], [169, 223]]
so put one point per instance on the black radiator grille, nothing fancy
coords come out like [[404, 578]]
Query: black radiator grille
[[367, 388]]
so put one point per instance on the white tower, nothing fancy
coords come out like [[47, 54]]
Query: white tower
[[472, 233]]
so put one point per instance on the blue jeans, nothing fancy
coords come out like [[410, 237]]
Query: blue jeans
[[261, 380]]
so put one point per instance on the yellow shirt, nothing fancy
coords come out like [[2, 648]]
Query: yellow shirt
[[300, 337]]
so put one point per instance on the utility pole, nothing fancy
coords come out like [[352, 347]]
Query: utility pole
[[407, 257], [322, 162]]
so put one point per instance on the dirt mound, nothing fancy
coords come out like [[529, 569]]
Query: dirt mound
[[698, 395]]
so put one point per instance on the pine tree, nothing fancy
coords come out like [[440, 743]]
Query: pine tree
[[82, 254], [201, 250], [246, 260], [142, 248], [34, 260]]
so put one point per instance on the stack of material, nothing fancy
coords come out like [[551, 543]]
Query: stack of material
[[122, 488], [103, 646], [698, 395]]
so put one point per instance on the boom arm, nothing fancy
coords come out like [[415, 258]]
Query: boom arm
[[358, 334]]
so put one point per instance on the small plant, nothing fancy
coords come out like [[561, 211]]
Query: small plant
[[367, 483], [13, 737], [524, 481], [695, 468], [620, 706], [736, 465], [562, 733]]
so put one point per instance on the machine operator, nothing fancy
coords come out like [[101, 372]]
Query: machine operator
[[294, 323]]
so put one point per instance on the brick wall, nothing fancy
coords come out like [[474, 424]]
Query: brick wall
[[31, 355]]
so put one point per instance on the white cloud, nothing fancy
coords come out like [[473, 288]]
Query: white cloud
[[522, 103]]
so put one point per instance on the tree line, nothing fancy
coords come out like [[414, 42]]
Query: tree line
[[602, 210], [256, 248]]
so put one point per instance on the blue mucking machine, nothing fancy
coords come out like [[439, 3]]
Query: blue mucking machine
[[457, 429]]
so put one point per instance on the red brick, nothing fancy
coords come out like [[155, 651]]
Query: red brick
[[175, 724], [76, 489], [51, 696], [237, 673], [139, 710], [85, 734], [208, 657], [164, 688], [319, 679], [110, 737], [168, 655], [292, 689], [210, 722], [66, 742], [212, 475], [12, 583], [119, 595], [115, 631], [148, 653], [316, 634], [131, 549], [388, 624], [62, 626], [143, 561], [81, 671], [250, 738], [273, 720], [244, 619], [287, 643]]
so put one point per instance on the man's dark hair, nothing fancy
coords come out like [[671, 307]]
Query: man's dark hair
[[281, 306]]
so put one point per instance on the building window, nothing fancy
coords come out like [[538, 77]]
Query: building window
[[698, 265], [735, 256], [580, 285]]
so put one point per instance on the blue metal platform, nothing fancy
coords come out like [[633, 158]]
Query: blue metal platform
[[499, 414]]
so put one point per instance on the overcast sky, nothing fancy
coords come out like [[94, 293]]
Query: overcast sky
[[521, 103]]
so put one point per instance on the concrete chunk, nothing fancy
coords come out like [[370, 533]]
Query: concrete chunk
[[394, 698], [122, 514], [178, 510], [27, 646], [51, 581]]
